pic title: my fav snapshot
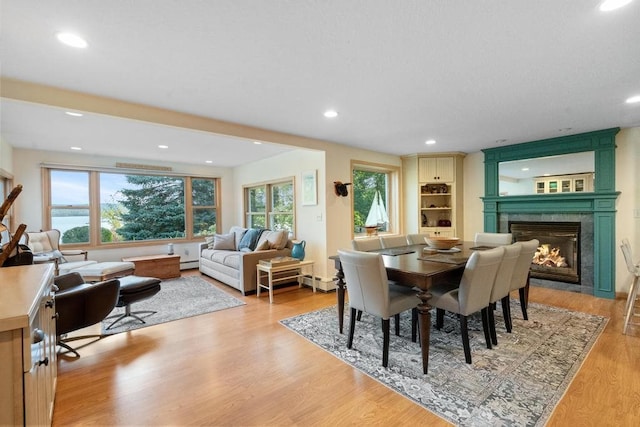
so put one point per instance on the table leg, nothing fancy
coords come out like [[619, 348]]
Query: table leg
[[424, 320], [340, 284]]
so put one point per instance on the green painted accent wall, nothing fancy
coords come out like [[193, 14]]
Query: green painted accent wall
[[601, 202]]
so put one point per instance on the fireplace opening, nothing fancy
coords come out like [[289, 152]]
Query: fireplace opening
[[557, 257]]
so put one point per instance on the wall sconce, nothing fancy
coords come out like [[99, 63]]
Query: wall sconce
[[341, 188]]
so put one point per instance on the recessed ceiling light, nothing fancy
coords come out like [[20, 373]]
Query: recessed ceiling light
[[72, 40], [257, 142], [524, 169], [71, 113], [609, 5], [208, 161], [164, 147], [330, 114], [76, 148], [633, 99], [430, 141]]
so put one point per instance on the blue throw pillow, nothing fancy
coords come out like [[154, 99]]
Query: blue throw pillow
[[250, 239]]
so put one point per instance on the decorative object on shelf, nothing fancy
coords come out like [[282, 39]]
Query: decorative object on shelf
[[170, 249], [341, 188], [298, 249]]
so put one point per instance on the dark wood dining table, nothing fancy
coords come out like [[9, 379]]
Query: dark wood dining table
[[411, 266]]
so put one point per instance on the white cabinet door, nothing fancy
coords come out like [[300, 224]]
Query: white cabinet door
[[436, 169]]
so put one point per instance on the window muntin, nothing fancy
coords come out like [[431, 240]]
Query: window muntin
[[279, 197], [282, 205], [130, 207]]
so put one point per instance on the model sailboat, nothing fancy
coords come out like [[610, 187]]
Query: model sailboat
[[377, 214]]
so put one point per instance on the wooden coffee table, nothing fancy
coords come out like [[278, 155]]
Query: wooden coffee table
[[161, 266]]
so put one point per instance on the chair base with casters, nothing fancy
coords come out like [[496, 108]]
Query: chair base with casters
[[134, 289]]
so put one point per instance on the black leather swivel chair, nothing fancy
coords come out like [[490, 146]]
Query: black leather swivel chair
[[81, 304]]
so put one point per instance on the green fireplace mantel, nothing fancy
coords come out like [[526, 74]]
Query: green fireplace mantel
[[600, 202]]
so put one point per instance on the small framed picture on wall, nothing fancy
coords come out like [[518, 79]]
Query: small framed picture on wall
[[309, 188]]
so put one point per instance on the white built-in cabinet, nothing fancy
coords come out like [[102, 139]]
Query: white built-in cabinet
[[440, 194], [436, 169]]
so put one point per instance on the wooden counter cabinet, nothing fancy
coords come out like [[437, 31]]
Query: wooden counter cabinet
[[28, 371]]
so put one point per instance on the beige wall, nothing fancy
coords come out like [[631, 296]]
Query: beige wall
[[6, 157], [628, 203]]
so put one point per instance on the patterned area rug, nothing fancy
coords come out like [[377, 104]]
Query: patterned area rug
[[178, 298], [518, 382]]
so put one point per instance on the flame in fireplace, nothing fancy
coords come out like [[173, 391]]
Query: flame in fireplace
[[547, 256]]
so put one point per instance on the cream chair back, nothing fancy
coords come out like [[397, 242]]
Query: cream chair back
[[366, 245], [417, 239], [393, 241], [502, 284], [477, 280], [523, 265], [367, 282], [493, 239]]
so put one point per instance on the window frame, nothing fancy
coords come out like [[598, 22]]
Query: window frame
[[394, 196], [269, 213], [94, 204]]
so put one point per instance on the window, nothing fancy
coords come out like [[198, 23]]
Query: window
[[375, 201], [280, 200], [103, 207]]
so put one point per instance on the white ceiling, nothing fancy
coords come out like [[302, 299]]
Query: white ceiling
[[466, 73]]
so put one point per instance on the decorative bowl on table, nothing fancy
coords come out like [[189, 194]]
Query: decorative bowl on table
[[437, 242]]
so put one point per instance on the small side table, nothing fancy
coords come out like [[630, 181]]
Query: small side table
[[160, 266], [295, 271]]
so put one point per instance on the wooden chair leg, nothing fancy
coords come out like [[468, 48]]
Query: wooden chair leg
[[352, 327], [523, 303], [486, 326], [465, 339], [385, 342], [506, 313], [414, 324], [439, 318], [492, 327], [631, 302]]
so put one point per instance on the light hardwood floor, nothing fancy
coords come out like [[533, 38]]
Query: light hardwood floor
[[240, 367]]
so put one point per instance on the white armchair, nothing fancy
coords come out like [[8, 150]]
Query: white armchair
[[45, 248]]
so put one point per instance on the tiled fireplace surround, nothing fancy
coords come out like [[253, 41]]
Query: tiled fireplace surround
[[595, 210]]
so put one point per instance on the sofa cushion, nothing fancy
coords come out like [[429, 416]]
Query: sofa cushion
[[263, 246], [276, 239], [225, 241], [250, 239], [239, 232]]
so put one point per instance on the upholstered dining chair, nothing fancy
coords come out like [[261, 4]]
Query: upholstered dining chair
[[470, 295], [366, 245], [393, 241], [369, 291], [520, 277], [417, 239], [493, 239], [81, 304], [634, 269], [502, 288]]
